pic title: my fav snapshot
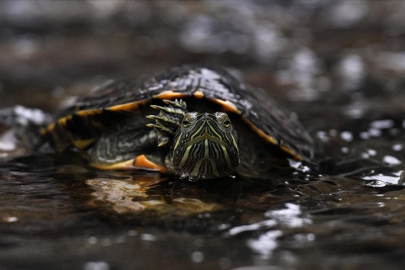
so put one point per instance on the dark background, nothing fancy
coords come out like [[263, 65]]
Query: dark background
[[300, 51]]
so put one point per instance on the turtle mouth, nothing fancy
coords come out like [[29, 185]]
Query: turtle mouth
[[206, 157]]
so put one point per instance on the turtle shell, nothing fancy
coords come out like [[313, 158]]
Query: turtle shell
[[81, 124]]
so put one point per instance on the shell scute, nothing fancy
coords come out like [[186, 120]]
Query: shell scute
[[107, 105]]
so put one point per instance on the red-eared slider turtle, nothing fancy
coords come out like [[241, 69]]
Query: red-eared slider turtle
[[197, 122]]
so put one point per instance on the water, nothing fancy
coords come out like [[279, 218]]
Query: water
[[337, 66], [54, 210]]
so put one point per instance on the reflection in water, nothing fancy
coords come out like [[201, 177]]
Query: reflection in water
[[121, 193], [130, 196]]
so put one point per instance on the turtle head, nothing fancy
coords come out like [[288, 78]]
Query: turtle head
[[205, 146]]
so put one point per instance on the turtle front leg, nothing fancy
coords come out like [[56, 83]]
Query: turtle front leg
[[168, 120]]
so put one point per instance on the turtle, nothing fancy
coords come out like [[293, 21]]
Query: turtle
[[192, 121]]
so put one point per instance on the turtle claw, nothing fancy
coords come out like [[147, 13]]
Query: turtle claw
[[168, 120], [193, 179], [190, 178], [169, 110], [179, 103], [156, 107], [163, 118], [160, 127], [162, 140]]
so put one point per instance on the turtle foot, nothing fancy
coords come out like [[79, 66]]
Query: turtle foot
[[168, 120], [190, 178]]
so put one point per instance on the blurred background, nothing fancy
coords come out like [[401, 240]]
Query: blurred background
[[341, 52], [339, 65]]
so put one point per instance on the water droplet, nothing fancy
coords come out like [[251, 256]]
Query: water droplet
[[197, 256], [364, 135], [294, 163], [397, 147], [92, 240], [148, 237], [322, 135], [304, 237], [100, 265], [374, 132], [365, 155], [224, 226], [391, 160], [351, 71], [382, 124], [26, 115], [346, 136], [12, 219], [372, 152]]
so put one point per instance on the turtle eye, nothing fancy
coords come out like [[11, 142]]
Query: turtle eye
[[186, 123], [227, 123]]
